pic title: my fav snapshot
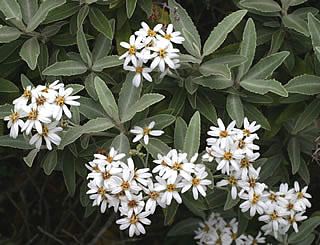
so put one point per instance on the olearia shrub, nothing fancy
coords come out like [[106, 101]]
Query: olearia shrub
[[159, 133]]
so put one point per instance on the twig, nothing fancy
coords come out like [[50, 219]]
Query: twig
[[50, 235], [109, 222], [32, 239], [71, 235]]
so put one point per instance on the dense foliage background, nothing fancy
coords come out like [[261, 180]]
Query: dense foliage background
[[43, 198]]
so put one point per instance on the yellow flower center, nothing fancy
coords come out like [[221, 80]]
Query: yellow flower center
[[223, 133], [101, 191], [45, 130], [154, 195], [41, 100], [132, 49], [177, 166], [132, 204], [33, 115], [206, 228], [300, 195], [168, 36], [125, 185], [171, 187], [106, 175], [134, 219], [273, 197], [290, 206], [227, 156], [234, 236], [151, 33], [252, 182], [95, 168], [244, 163], [163, 163], [232, 180], [241, 144], [274, 215], [138, 69], [109, 159], [162, 53], [246, 132], [146, 131], [255, 198], [27, 93], [60, 101], [195, 181], [14, 117]]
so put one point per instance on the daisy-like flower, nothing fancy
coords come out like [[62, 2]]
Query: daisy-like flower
[[233, 181], [112, 157], [23, 99], [250, 128], [49, 134], [14, 121], [253, 201], [274, 217], [141, 175], [98, 194], [131, 55], [251, 181], [50, 89], [163, 54], [42, 100], [170, 188], [208, 157], [246, 146], [35, 118], [133, 205], [134, 223], [154, 198], [256, 240], [301, 196], [223, 136], [173, 36], [145, 132], [63, 99], [105, 174], [199, 183], [147, 33], [246, 167], [167, 70], [293, 218], [162, 166], [140, 72]]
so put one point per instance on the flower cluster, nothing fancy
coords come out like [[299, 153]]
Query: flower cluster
[[150, 48], [41, 108], [234, 151], [136, 193], [215, 230]]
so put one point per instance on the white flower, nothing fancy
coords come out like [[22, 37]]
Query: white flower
[[42, 100], [14, 121], [246, 146], [131, 55], [301, 196], [171, 35], [225, 136], [50, 89], [274, 218], [293, 218], [147, 33], [154, 198], [145, 132], [250, 128], [162, 167], [170, 188], [23, 99], [246, 168], [208, 157], [140, 72], [253, 201], [256, 240], [49, 133], [98, 194], [134, 223], [141, 175], [112, 157], [105, 174], [35, 117], [63, 99], [233, 181], [133, 205], [163, 54], [167, 70], [198, 183]]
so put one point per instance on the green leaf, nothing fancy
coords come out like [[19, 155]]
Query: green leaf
[[28, 8], [82, 14], [7, 49], [195, 206], [213, 82], [83, 47], [184, 227], [292, 21], [177, 102], [304, 11], [221, 31], [230, 203], [266, 66], [262, 6], [190, 86], [254, 114], [42, 13], [260, 86], [65, 68], [5, 110], [310, 113], [233, 60], [100, 22], [146, 6], [179, 133], [161, 120], [277, 40], [235, 108], [62, 12], [206, 108], [9, 34], [19, 143], [101, 47], [305, 230], [304, 84], [314, 27], [269, 167], [208, 69], [50, 162], [144, 102], [43, 59], [155, 147], [294, 154], [76, 88], [289, 3], [89, 86], [106, 62], [121, 144], [192, 139], [30, 157], [30, 52], [11, 9], [130, 6], [243, 223], [91, 109], [68, 168], [8, 87], [106, 98], [304, 171], [181, 20], [170, 212], [247, 47]]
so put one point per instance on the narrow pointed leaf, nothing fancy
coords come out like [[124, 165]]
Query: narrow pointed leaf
[[180, 130], [9, 34], [206, 108], [213, 82], [62, 12], [65, 68], [121, 144], [130, 6], [30, 157], [20, 142], [155, 147], [305, 84], [305, 230], [8, 87], [260, 86], [235, 108], [294, 22], [68, 168], [220, 32], [192, 140], [50, 162], [208, 69], [11, 9], [262, 6], [106, 62], [30, 52], [100, 22], [314, 29], [294, 154]]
